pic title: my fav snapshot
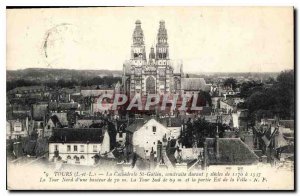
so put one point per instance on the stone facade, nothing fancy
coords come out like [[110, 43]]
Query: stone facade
[[156, 75]]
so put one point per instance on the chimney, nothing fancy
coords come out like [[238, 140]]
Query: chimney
[[159, 147], [205, 162], [217, 144], [152, 164]]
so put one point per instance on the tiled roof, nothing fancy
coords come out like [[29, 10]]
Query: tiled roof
[[62, 106], [232, 151], [193, 84], [138, 123], [55, 121], [288, 124], [71, 135], [226, 118], [28, 89]]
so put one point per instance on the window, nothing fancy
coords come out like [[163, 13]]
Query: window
[[68, 148], [56, 148], [75, 148], [94, 148], [154, 129], [76, 159], [68, 157], [82, 157], [48, 126], [81, 148]]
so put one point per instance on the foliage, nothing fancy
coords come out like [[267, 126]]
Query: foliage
[[230, 82], [107, 81], [198, 130], [274, 100]]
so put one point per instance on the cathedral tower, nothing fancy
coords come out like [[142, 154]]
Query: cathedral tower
[[138, 52], [162, 46]]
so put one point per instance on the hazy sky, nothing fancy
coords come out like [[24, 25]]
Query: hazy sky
[[207, 39]]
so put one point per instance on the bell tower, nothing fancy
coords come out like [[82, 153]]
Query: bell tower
[[138, 52], [162, 46]]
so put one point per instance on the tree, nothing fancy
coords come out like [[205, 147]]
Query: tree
[[230, 82], [277, 100]]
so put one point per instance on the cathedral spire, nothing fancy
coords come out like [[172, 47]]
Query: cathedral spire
[[138, 34], [138, 51], [162, 47]]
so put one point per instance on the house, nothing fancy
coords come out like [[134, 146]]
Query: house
[[227, 105], [228, 151], [63, 107], [96, 91], [53, 122], [275, 139], [16, 128], [240, 120], [39, 111], [30, 91], [78, 146], [146, 137]]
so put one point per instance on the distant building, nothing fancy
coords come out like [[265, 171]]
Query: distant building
[[30, 91]]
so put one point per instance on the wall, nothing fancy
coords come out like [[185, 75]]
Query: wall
[[87, 151]]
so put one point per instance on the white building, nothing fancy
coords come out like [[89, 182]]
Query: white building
[[147, 137], [78, 146], [16, 129]]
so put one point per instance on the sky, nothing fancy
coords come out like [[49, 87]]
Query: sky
[[205, 39]]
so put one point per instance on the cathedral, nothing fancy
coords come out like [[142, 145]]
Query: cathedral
[[156, 74]]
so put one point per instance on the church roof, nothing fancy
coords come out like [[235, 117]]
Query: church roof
[[193, 84]]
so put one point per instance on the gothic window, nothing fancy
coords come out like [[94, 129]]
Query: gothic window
[[150, 85]]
